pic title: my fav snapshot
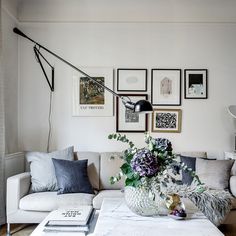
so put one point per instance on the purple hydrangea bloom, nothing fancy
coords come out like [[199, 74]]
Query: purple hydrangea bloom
[[144, 163], [163, 144]]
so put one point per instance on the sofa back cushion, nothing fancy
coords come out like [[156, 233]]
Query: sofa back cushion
[[110, 163], [93, 166], [214, 173]]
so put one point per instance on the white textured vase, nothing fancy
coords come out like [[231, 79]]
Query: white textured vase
[[144, 202]]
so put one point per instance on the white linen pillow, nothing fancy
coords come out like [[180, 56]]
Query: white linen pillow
[[214, 173], [42, 171]]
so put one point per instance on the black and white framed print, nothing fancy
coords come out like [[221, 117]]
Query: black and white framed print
[[132, 80], [166, 120], [127, 120], [166, 87], [195, 83]]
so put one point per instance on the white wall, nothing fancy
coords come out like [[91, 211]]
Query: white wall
[[128, 10], [205, 125], [10, 60]]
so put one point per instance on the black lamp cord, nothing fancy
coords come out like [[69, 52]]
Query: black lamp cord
[[49, 122], [38, 54]]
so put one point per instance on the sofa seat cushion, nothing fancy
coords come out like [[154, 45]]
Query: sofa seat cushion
[[97, 201], [49, 201]]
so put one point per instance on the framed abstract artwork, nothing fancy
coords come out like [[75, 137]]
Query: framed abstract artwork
[[166, 87], [132, 80], [195, 83], [90, 99], [166, 120], [126, 120]]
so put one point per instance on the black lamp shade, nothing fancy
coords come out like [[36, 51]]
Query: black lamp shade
[[143, 106]]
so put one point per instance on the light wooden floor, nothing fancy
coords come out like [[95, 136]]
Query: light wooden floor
[[26, 230]]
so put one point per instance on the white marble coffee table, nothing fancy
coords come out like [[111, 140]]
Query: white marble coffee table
[[115, 219]]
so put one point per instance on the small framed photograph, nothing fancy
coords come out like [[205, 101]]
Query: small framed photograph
[[166, 120], [128, 121], [132, 80], [166, 87], [195, 83]]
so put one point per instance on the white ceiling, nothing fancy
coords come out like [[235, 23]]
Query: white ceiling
[[123, 10]]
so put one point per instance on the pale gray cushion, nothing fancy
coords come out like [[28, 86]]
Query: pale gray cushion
[[110, 163], [49, 201], [93, 166], [214, 173], [97, 201], [42, 171]]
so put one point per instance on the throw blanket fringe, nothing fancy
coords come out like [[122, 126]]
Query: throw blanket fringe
[[215, 204]]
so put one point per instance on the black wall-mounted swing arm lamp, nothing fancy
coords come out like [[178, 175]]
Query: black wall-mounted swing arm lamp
[[141, 106]]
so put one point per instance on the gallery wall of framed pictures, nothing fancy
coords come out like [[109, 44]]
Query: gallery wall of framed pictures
[[165, 95]]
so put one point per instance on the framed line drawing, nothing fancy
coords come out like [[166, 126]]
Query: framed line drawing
[[166, 120], [166, 87], [195, 84], [131, 80], [90, 99], [126, 120]]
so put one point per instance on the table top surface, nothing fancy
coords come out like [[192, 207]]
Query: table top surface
[[115, 219]]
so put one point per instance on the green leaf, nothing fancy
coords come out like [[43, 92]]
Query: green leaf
[[125, 168]]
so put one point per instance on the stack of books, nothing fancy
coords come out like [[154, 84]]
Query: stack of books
[[70, 220]]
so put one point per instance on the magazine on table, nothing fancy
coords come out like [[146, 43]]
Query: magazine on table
[[68, 227], [71, 217]]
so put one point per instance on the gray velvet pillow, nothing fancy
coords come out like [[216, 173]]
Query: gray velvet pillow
[[72, 176], [42, 171], [214, 173], [190, 162]]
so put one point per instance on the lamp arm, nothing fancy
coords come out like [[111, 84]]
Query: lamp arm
[[17, 31]]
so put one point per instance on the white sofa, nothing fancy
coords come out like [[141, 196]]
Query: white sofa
[[26, 207]]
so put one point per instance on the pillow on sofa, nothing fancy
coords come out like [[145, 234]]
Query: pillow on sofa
[[214, 173], [42, 171], [72, 176]]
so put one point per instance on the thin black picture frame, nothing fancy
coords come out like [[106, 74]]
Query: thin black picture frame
[[118, 116], [130, 89], [206, 83], [179, 100]]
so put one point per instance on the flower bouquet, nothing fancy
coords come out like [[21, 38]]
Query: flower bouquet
[[151, 175]]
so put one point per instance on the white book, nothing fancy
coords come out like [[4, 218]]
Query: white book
[[66, 228], [70, 217]]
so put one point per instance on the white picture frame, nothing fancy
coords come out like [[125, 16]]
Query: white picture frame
[[90, 99]]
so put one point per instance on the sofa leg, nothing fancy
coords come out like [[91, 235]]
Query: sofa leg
[[8, 230]]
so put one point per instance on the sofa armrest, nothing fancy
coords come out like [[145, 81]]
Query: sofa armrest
[[17, 187], [232, 185]]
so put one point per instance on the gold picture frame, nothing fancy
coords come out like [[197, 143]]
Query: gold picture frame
[[167, 120]]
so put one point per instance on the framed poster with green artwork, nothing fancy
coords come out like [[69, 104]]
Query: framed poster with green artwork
[[90, 99]]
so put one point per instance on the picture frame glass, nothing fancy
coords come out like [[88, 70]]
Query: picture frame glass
[[127, 120], [167, 120], [195, 83], [90, 99], [166, 87], [132, 80]]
